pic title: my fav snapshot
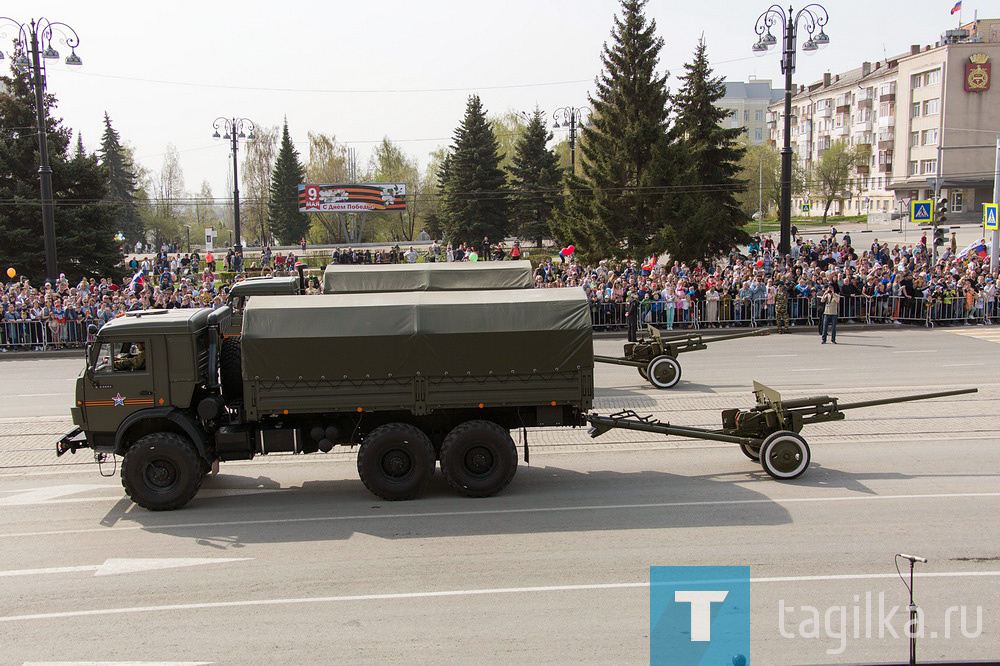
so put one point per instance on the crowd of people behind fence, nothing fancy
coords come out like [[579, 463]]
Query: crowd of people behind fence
[[883, 283]]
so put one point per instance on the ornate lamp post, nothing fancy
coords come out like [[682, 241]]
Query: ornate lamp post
[[30, 37], [813, 18], [233, 129], [572, 116]]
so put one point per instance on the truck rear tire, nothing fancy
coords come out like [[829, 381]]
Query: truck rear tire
[[161, 471], [478, 458], [396, 461], [231, 369]]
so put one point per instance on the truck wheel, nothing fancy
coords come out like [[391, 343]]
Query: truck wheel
[[161, 471], [784, 455], [751, 452], [396, 461], [664, 372], [230, 369], [478, 458]]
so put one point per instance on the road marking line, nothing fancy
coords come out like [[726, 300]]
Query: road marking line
[[961, 365], [499, 512], [807, 369], [916, 351], [776, 355], [115, 565], [453, 593]]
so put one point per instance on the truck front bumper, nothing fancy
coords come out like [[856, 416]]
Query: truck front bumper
[[71, 441]]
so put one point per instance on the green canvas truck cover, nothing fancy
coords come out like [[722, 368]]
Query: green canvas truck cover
[[433, 276], [526, 332], [265, 286]]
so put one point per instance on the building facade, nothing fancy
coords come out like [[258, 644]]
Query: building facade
[[924, 122], [748, 105]]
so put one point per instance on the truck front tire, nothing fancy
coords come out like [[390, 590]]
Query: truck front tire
[[396, 461], [478, 458], [161, 471]]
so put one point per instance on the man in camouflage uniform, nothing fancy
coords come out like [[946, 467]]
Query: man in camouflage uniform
[[781, 308]]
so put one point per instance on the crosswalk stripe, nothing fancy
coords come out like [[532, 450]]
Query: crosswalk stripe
[[991, 334]]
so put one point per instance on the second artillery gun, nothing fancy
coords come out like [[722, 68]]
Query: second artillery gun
[[655, 355], [767, 433]]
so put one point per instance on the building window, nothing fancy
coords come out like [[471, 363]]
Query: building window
[[916, 80], [957, 201], [736, 114], [915, 110], [914, 167], [759, 116], [932, 78], [914, 139], [928, 166], [757, 135], [930, 137], [746, 116], [931, 107]]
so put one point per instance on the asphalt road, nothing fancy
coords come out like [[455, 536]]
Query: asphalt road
[[290, 560]]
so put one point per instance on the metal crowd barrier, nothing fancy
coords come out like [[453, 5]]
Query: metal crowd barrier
[[802, 311], [35, 335]]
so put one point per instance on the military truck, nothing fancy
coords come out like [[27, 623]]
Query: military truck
[[412, 378]]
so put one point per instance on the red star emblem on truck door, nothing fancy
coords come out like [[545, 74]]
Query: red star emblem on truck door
[[119, 400]]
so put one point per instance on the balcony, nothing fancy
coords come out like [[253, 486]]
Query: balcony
[[885, 168], [864, 146], [888, 97], [843, 108], [863, 126], [863, 169], [865, 102], [843, 130], [824, 112], [887, 121]]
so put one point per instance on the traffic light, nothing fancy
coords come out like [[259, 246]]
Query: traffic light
[[942, 209], [939, 235]]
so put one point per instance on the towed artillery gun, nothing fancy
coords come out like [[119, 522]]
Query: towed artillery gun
[[767, 433], [655, 355]]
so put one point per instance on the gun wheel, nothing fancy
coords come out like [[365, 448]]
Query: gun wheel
[[643, 373], [664, 372], [751, 452], [784, 455]]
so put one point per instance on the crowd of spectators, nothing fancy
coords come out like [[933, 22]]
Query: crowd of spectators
[[883, 283]]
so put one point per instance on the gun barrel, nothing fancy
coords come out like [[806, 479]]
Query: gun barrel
[[704, 337], [905, 398]]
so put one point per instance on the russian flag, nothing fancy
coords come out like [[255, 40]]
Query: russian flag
[[957, 7]]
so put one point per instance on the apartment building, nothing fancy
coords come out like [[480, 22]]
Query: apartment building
[[748, 104], [921, 116]]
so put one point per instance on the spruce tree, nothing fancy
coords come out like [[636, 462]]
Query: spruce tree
[[705, 219], [123, 185], [610, 209], [286, 222], [536, 180], [475, 196], [84, 223]]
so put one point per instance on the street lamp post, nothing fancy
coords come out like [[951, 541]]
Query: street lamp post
[[29, 37], [813, 17], [572, 116], [233, 129]]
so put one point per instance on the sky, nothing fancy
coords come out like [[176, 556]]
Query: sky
[[361, 71]]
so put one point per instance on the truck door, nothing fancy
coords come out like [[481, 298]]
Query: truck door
[[123, 384]]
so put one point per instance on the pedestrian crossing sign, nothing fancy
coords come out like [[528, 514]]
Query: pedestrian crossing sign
[[806, 208], [921, 211], [990, 217]]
